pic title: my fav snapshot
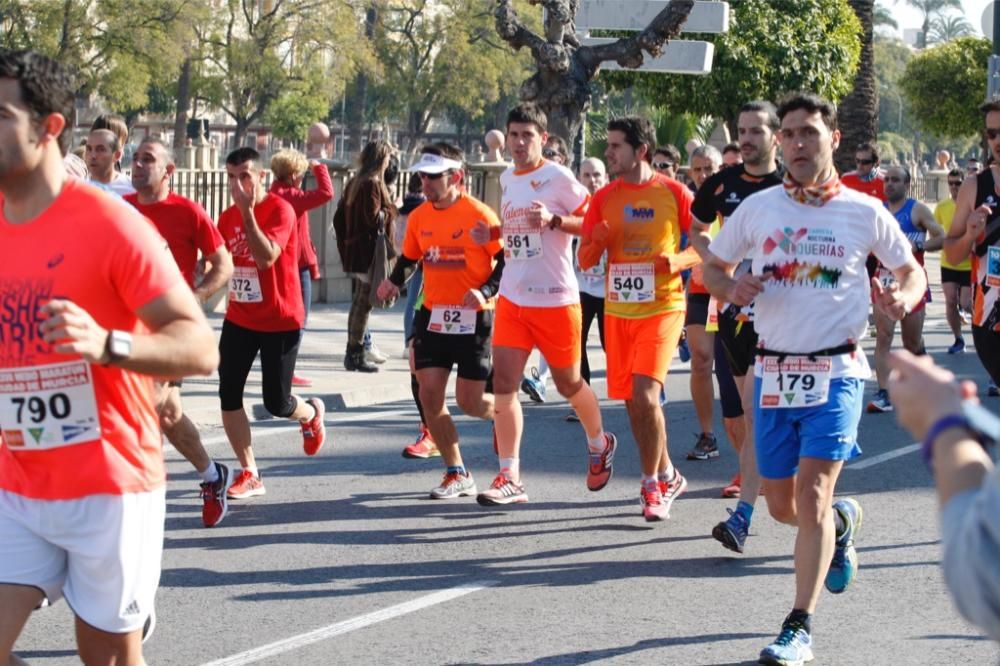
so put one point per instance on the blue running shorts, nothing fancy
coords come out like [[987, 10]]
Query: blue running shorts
[[827, 432]]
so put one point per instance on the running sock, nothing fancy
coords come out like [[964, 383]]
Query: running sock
[[648, 478], [508, 420], [457, 469], [838, 522], [668, 474], [801, 618], [513, 467], [211, 473], [745, 509], [585, 405], [253, 470], [415, 390], [597, 445]]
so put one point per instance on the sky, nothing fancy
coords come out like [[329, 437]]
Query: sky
[[907, 17]]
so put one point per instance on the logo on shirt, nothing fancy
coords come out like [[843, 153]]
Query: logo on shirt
[[55, 261], [638, 213], [456, 235], [20, 322], [818, 242], [445, 257], [733, 198], [803, 274], [539, 184]]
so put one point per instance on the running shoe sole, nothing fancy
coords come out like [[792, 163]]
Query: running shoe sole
[[702, 455], [723, 535], [533, 393], [407, 453], [485, 500]]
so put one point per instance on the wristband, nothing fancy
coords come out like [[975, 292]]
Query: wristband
[[942, 424]]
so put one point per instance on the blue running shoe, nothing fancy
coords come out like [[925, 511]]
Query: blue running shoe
[[792, 647], [844, 566], [534, 386], [732, 532], [958, 347], [683, 350]]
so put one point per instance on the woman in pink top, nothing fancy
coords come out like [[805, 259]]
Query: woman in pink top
[[288, 167]]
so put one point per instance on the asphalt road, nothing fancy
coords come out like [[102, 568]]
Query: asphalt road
[[345, 561]]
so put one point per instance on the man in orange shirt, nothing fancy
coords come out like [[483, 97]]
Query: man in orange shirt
[[94, 305], [454, 326], [638, 219]]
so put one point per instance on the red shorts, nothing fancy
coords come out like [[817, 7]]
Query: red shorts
[[555, 331], [640, 347]]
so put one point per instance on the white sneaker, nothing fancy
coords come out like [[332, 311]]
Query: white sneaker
[[454, 485], [374, 355]]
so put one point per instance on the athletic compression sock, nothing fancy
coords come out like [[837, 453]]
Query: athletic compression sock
[[801, 618], [457, 469], [513, 467], [415, 390]]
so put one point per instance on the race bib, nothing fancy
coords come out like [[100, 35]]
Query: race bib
[[48, 406], [244, 286], [522, 243], [452, 320], [631, 283], [993, 267], [885, 277], [798, 382]]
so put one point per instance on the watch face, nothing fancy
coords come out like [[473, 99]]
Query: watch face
[[120, 344]]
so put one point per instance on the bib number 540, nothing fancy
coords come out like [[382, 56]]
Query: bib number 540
[[636, 283]]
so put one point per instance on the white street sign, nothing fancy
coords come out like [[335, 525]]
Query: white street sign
[[706, 16], [679, 57]]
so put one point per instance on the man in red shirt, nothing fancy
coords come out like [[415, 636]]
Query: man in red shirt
[[94, 307], [265, 314], [868, 176], [188, 229]]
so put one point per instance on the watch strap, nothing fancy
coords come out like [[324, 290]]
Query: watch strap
[[944, 423]]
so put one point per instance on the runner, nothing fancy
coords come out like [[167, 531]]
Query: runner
[[956, 279], [638, 219], [720, 197], [265, 316], [808, 241], [868, 177], [104, 151], [704, 161], [539, 303], [975, 230], [188, 229], [916, 221], [101, 307], [454, 326]]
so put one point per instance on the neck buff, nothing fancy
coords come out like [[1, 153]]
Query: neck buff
[[814, 195]]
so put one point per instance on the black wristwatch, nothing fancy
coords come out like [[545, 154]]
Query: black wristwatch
[[118, 346]]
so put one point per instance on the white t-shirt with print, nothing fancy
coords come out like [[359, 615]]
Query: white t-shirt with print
[[548, 279], [818, 293]]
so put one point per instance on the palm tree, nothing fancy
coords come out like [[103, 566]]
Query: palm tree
[[883, 17], [946, 28], [858, 111], [928, 8]]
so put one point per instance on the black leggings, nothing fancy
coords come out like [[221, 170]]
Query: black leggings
[[729, 395], [592, 307], [238, 349], [988, 350]]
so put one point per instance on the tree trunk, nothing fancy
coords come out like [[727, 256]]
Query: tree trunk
[[241, 132], [357, 95], [858, 111], [183, 104]]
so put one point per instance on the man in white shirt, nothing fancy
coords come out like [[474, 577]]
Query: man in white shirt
[[103, 151]]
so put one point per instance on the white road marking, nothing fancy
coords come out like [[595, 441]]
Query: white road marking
[[882, 457], [360, 622]]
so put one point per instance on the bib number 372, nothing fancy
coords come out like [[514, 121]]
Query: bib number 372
[[797, 382], [49, 406]]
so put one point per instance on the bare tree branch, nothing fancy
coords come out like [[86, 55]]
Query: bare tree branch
[[627, 51]]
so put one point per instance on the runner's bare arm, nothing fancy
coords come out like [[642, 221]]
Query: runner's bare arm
[[717, 275], [218, 275], [924, 219], [898, 299], [700, 238], [967, 224], [180, 341], [263, 250]]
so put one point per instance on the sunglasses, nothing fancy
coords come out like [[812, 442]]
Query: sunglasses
[[430, 176], [864, 161], [548, 152], [663, 165]]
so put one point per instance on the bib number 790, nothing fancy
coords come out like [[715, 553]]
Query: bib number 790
[[58, 405]]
